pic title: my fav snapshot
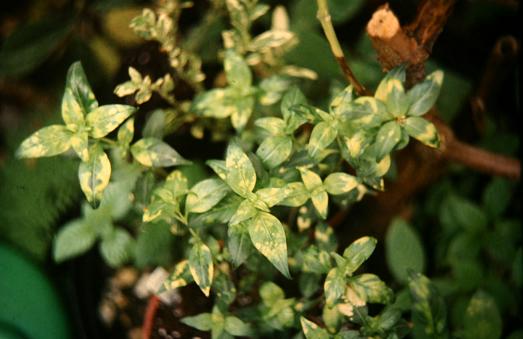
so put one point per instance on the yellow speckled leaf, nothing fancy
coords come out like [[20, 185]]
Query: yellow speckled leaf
[[268, 236], [104, 119], [423, 130], [72, 112], [201, 266], [241, 176], [94, 175], [320, 200], [46, 142], [80, 144], [153, 152], [80, 88], [340, 183], [126, 132], [180, 277]]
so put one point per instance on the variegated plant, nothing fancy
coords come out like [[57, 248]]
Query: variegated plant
[[285, 165]]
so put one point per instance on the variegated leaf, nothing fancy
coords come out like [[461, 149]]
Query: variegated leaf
[[268, 236], [80, 88], [387, 138], [205, 195], [245, 211], [275, 150], [46, 142], [310, 179], [218, 166], [180, 277], [334, 286], [271, 39], [72, 113], [295, 195], [241, 176], [275, 126], [238, 243], [320, 200], [422, 130], [340, 183], [391, 80], [424, 95], [240, 116], [94, 175], [153, 152], [357, 253], [126, 132], [105, 119], [271, 195], [313, 331], [364, 111], [237, 71], [370, 288], [80, 144], [341, 101], [323, 134], [201, 266]]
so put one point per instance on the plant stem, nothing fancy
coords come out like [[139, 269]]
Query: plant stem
[[326, 23]]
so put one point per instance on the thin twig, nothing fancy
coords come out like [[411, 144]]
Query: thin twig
[[326, 23], [150, 314]]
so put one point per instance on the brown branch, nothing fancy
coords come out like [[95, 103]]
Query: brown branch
[[150, 314]]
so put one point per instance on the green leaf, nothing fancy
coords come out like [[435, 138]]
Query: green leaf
[[104, 119], [241, 176], [404, 250], [80, 144], [334, 286], [320, 200], [152, 152], [46, 142], [465, 214], [271, 293], [218, 166], [180, 277], [313, 331], [72, 113], [268, 236], [387, 138], [371, 289], [275, 126], [94, 175], [295, 195], [311, 180], [482, 319], [116, 247], [344, 11], [218, 323], [340, 183], [239, 243], [245, 211], [497, 197], [364, 111], [237, 327], [126, 133], [201, 266], [429, 314], [202, 322], [275, 150], [422, 130], [424, 95], [237, 71], [73, 239], [153, 246], [358, 252], [271, 195], [205, 195], [80, 88], [242, 112], [323, 134], [292, 98]]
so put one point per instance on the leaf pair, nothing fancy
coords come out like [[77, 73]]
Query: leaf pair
[[219, 324]]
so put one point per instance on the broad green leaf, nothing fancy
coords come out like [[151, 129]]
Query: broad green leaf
[[180, 277], [295, 195], [218, 323], [245, 211], [72, 113], [72, 240], [239, 243], [237, 71], [422, 130], [323, 134], [94, 175], [371, 289], [116, 247], [465, 214], [482, 319], [201, 266], [268, 236], [332, 318], [205, 195], [202, 321], [340, 183], [334, 286], [275, 150], [429, 314], [80, 88], [320, 200], [497, 196], [46, 142], [313, 331], [271, 293], [275, 126], [236, 327], [80, 144], [311, 180], [242, 112], [104, 119], [358, 252], [241, 176], [126, 132], [424, 95], [343, 11], [404, 250], [387, 138], [271, 195], [152, 152], [153, 247]]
